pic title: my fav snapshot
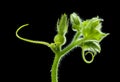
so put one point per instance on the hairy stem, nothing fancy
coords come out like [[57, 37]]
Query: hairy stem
[[71, 46], [77, 36], [54, 70]]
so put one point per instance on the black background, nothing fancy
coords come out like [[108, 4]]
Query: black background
[[22, 61]]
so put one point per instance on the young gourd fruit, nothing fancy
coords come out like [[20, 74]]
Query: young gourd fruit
[[62, 28], [59, 39]]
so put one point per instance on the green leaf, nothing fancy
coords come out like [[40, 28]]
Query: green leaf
[[75, 21], [92, 29], [91, 45]]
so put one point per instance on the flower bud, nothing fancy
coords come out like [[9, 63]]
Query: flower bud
[[62, 25], [76, 21]]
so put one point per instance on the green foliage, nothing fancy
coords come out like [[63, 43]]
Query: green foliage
[[92, 35], [92, 29], [88, 37], [93, 46]]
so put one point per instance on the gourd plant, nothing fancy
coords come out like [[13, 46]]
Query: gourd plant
[[88, 36]]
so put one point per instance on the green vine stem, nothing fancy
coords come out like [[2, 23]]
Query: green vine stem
[[88, 37], [54, 70]]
